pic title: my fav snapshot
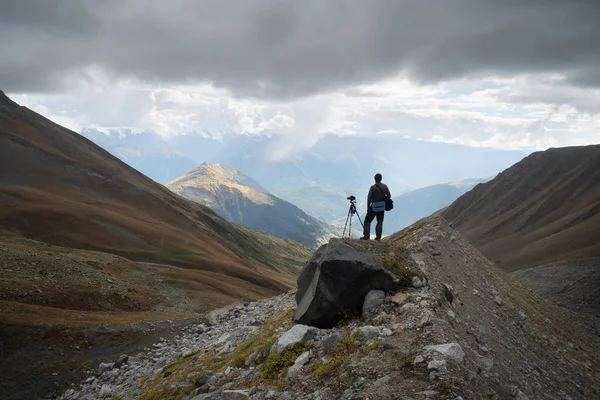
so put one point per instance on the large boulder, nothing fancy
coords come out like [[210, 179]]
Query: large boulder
[[334, 283]]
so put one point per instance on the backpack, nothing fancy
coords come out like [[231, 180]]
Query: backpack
[[389, 203]]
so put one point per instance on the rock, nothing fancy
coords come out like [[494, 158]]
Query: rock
[[367, 332], [438, 365], [335, 281], [329, 344], [373, 299], [416, 282], [453, 351], [300, 362], [498, 300], [201, 381], [418, 360], [428, 393], [228, 371], [122, 361], [399, 298], [251, 360], [297, 334], [105, 391], [425, 239], [386, 332], [448, 293], [223, 395], [294, 371], [105, 367], [451, 315], [303, 359], [485, 363], [407, 307]]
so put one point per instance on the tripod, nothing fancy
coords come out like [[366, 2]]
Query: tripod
[[348, 223]]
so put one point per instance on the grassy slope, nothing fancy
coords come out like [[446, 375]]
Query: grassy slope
[[543, 209]]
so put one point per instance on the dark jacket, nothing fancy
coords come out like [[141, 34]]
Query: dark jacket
[[378, 192]]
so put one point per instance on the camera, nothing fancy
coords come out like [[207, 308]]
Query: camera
[[351, 198]]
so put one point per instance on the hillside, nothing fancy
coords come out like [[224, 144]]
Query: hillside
[[464, 330], [239, 199], [544, 209], [570, 284], [411, 206]]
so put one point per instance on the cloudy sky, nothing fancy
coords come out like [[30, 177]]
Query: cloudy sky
[[507, 74]]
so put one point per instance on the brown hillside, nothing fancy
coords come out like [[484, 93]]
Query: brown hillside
[[541, 210], [60, 188]]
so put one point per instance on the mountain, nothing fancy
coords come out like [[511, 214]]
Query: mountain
[[240, 199], [411, 206], [145, 151], [60, 188], [542, 210]]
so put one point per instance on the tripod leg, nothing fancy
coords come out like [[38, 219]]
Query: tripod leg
[[348, 217], [359, 220]]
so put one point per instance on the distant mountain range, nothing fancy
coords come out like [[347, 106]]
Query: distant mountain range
[[544, 209], [240, 199], [412, 206], [317, 179]]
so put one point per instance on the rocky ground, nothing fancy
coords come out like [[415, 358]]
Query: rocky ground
[[460, 329], [570, 284]]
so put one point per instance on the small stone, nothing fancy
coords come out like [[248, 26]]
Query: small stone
[[367, 332], [452, 351], [448, 293], [386, 332], [303, 359], [428, 393], [498, 300], [407, 307], [105, 367], [228, 371], [122, 361], [418, 360], [298, 333], [201, 381], [425, 239], [451, 315], [399, 298], [416, 282], [485, 363], [373, 299], [330, 342], [438, 365]]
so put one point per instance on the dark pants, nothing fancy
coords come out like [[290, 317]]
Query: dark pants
[[369, 218]]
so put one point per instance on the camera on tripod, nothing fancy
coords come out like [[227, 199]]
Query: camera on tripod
[[351, 212]]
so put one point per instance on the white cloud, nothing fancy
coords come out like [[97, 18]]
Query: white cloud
[[520, 113]]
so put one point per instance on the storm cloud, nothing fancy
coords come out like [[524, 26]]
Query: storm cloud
[[289, 49]]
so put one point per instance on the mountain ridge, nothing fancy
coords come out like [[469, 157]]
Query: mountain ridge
[[240, 199], [545, 208]]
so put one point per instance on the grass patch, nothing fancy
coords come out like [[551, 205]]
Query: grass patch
[[397, 263], [277, 364], [347, 346]]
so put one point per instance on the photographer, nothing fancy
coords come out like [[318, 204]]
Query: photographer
[[378, 201]]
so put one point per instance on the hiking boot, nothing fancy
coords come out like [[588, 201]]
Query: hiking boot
[[365, 238], [378, 238]]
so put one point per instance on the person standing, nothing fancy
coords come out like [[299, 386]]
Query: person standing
[[376, 208]]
